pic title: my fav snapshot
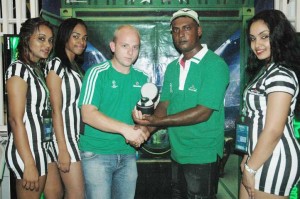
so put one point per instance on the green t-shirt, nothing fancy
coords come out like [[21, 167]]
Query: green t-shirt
[[205, 85], [114, 94]]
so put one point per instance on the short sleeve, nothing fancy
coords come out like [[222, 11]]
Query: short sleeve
[[56, 65], [281, 80], [17, 69], [214, 84], [165, 92], [90, 91]]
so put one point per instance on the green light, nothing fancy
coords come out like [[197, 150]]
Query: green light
[[297, 128], [13, 45], [295, 191]]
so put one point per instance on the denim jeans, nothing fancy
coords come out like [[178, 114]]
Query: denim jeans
[[195, 181], [109, 176]]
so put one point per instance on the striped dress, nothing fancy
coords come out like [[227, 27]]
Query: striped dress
[[71, 85], [35, 103], [282, 170]]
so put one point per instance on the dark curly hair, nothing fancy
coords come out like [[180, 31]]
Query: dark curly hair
[[63, 35], [285, 48], [28, 28]]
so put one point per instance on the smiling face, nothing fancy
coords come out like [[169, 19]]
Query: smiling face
[[260, 40], [40, 43], [186, 35], [77, 41]]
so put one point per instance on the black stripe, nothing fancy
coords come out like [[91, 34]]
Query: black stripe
[[275, 178], [288, 166]]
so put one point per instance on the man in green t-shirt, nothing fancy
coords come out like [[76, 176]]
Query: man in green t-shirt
[[192, 108], [109, 92]]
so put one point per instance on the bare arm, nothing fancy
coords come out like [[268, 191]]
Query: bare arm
[[160, 118], [95, 118], [54, 86], [277, 112], [16, 90]]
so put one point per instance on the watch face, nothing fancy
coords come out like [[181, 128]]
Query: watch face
[[150, 91]]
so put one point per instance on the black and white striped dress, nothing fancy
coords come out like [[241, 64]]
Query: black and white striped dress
[[71, 85], [282, 170], [35, 104]]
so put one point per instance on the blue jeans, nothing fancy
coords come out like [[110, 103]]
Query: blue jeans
[[109, 176], [195, 181]]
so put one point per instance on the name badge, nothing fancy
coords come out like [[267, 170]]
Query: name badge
[[47, 134], [242, 134]]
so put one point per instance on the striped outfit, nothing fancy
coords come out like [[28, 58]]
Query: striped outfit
[[70, 87], [282, 170], [35, 103]]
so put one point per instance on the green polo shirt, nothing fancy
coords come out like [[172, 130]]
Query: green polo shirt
[[205, 85], [114, 94]]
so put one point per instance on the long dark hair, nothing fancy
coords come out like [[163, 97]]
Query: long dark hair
[[63, 34], [285, 48], [28, 28]]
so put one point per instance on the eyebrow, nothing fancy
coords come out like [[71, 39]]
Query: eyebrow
[[41, 34], [185, 25], [78, 33], [262, 32]]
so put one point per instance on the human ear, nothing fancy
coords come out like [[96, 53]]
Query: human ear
[[112, 46]]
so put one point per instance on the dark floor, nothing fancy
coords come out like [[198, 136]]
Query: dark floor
[[154, 179], [228, 185]]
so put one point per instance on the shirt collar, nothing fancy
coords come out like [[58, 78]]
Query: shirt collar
[[197, 58]]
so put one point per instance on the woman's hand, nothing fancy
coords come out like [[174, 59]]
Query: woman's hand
[[64, 161], [242, 165], [30, 178], [248, 181]]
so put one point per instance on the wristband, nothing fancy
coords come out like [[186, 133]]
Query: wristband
[[250, 170]]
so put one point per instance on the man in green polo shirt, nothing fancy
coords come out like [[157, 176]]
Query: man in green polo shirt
[[192, 108], [110, 90]]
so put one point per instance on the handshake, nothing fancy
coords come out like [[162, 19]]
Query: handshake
[[139, 135]]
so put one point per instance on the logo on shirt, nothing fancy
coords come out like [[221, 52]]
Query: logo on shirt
[[254, 91], [192, 88], [114, 84], [137, 85]]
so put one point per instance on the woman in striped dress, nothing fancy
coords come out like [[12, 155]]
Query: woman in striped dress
[[26, 153], [272, 165], [64, 79]]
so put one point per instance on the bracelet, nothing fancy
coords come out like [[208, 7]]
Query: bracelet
[[250, 170]]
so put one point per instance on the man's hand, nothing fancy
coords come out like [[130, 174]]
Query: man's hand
[[146, 132], [136, 135], [142, 119]]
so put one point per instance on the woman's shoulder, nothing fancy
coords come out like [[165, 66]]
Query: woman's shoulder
[[281, 70], [281, 78], [56, 65], [56, 61], [18, 68]]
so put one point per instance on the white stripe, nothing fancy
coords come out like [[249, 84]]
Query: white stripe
[[91, 82]]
